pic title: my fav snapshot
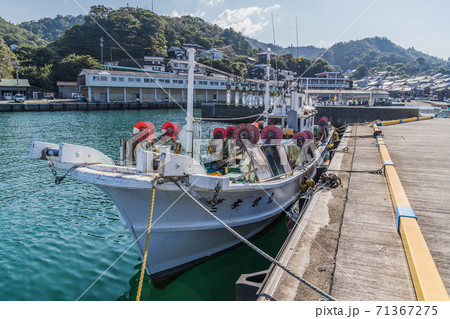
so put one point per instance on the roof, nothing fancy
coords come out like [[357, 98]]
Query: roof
[[13, 83], [175, 49], [62, 83], [151, 58], [150, 74]]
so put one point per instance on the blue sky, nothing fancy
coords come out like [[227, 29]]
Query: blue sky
[[424, 25]]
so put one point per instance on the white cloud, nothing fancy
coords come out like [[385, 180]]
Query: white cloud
[[199, 14], [212, 3], [246, 20]]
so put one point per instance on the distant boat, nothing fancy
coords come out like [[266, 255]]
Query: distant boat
[[246, 178]]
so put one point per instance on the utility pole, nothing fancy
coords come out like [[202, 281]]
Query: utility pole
[[101, 49], [17, 71]]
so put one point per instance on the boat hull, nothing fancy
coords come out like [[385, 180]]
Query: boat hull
[[182, 234]]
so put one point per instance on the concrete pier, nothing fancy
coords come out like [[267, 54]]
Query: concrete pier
[[347, 243]]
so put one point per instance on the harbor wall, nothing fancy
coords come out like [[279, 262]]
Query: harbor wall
[[338, 115], [360, 114], [72, 106]]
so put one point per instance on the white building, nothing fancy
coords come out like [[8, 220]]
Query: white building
[[128, 86], [154, 63], [180, 66], [213, 54], [326, 81]]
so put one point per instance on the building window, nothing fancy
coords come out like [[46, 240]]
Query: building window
[[146, 80], [121, 79], [114, 79], [99, 78], [137, 80], [161, 80], [130, 79], [167, 81]]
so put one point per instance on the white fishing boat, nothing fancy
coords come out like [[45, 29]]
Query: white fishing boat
[[246, 179]]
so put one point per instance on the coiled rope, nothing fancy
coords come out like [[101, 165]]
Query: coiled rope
[[259, 251], [144, 259]]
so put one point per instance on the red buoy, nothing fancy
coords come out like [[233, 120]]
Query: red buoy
[[170, 129], [219, 133], [229, 132], [309, 134], [243, 132], [271, 134], [140, 126], [323, 121], [300, 138], [257, 135]]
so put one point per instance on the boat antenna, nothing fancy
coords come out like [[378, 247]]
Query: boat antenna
[[298, 62], [266, 93], [296, 30], [274, 44], [190, 103]]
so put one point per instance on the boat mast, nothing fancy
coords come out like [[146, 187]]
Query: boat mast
[[266, 94], [190, 102]]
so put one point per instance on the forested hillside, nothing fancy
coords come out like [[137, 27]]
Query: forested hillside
[[308, 52], [6, 60], [50, 29], [142, 32], [13, 34], [377, 52]]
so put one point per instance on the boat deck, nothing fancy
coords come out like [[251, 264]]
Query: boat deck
[[348, 244]]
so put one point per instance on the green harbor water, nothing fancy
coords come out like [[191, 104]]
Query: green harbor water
[[63, 242]]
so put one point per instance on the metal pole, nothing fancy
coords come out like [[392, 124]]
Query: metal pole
[[266, 94], [17, 72], [296, 28], [190, 103], [101, 49]]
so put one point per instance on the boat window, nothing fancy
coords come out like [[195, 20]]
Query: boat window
[[259, 161], [308, 152], [277, 158]]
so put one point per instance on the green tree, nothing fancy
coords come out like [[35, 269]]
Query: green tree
[[6, 60], [99, 12], [361, 71], [50, 29], [69, 67]]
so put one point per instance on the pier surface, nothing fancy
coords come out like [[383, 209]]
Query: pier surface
[[347, 243]]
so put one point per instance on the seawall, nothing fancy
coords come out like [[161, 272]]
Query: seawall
[[39, 107], [339, 115]]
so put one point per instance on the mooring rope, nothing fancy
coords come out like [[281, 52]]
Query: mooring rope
[[259, 251], [144, 259]]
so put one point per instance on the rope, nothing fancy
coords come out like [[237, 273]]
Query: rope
[[59, 179], [376, 172], [259, 251], [144, 259]]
